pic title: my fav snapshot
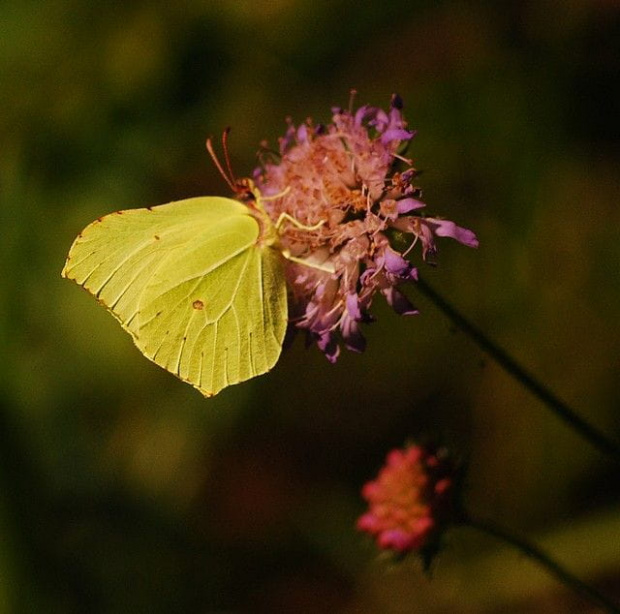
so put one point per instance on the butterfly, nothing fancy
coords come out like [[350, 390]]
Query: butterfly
[[199, 283]]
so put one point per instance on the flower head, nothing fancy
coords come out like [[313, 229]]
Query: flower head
[[340, 194], [410, 501]]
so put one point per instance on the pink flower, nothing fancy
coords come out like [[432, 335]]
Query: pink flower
[[340, 201], [410, 501]]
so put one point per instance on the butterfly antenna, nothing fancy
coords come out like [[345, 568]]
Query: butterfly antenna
[[227, 156], [218, 165]]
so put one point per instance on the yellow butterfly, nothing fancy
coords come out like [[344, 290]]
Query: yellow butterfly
[[199, 284]]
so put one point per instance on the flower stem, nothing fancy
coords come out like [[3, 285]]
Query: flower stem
[[527, 548], [561, 409]]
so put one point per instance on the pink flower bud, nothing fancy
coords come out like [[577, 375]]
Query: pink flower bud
[[411, 501]]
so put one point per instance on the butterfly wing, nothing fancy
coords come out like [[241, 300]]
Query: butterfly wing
[[192, 285]]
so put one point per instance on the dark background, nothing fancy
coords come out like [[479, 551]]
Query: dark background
[[123, 490]]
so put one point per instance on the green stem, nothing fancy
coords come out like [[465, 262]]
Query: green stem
[[561, 409], [527, 548]]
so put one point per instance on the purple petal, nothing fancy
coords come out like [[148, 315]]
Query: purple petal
[[408, 175], [353, 338], [446, 228], [409, 204], [380, 120], [327, 344], [362, 113], [395, 263], [396, 134], [353, 307], [399, 302]]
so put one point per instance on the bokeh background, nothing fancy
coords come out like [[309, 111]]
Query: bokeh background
[[123, 490]]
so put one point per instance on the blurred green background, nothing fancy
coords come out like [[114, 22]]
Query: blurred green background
[[123, 490]]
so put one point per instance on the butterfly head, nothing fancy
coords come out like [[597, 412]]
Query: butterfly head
[[245, 190]]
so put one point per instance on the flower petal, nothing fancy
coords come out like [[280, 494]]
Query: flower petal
[[446, 228], [328, 345], [406, 205], [399, 302]]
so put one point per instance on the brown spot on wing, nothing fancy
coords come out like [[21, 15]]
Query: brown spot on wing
[[198, 304]]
